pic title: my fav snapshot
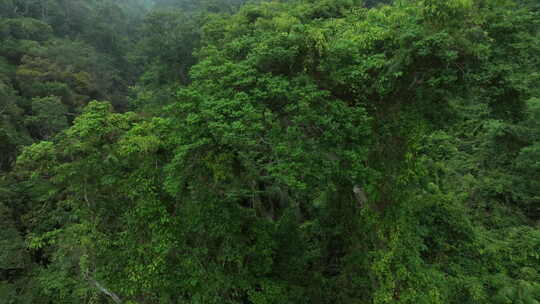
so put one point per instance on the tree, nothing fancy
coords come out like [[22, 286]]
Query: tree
[[319, 152]]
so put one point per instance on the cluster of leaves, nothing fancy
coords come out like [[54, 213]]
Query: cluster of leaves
[[55, 56], [317, 152], [66, 53], [169, 35]]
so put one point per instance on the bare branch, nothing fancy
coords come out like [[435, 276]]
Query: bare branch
[[104, 290], [360, 195]]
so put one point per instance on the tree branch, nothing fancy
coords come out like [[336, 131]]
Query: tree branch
[[360, 195], [104, 290]]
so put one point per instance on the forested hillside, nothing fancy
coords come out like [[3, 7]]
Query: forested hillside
[[270, 152]]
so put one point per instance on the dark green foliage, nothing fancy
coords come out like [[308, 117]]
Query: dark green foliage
[[168, 39], [281, 152], [48, 117]]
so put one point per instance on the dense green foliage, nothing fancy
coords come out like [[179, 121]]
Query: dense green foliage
[[302, 151]]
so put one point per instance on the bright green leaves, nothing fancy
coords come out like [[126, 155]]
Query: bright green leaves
[[291, 129], [81, 171], [257, 143], [97, 125], [446, 11], [516, 253]]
